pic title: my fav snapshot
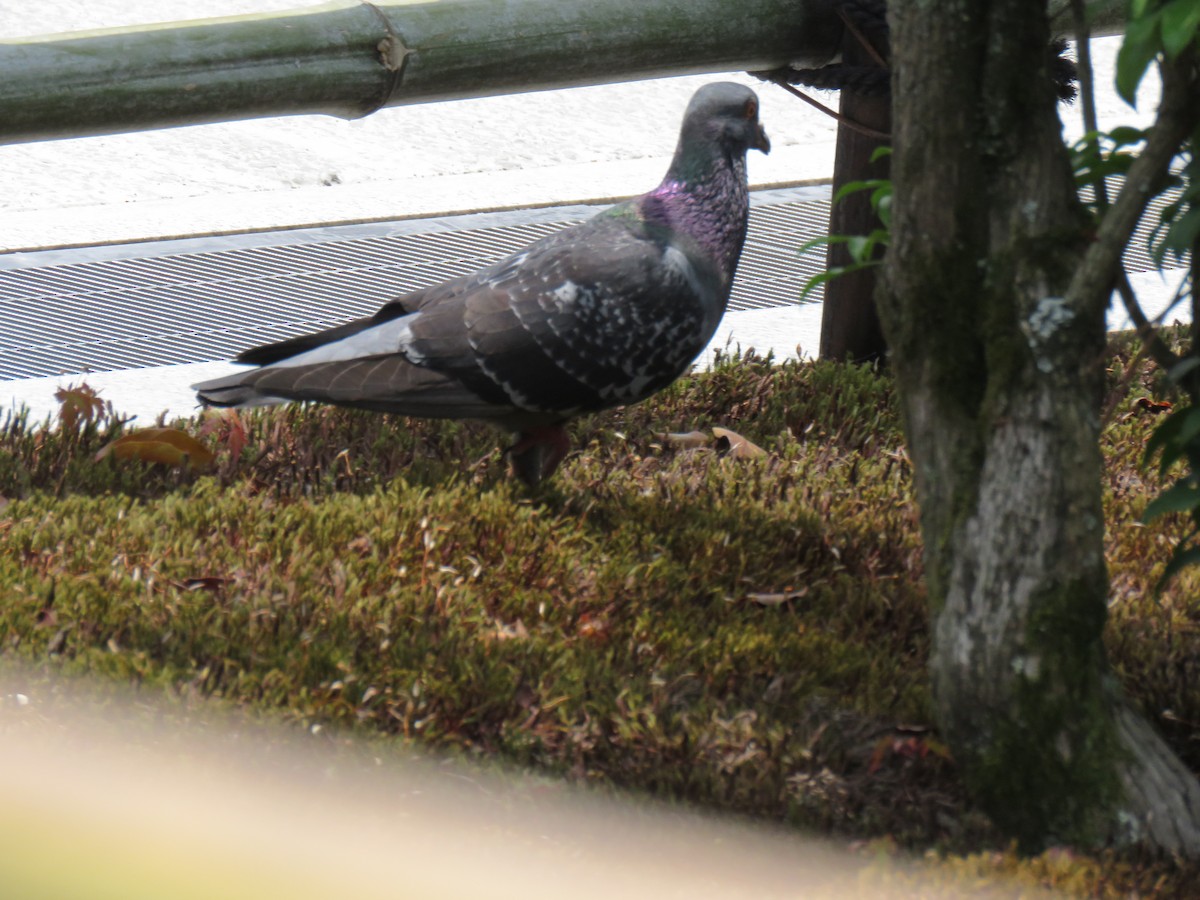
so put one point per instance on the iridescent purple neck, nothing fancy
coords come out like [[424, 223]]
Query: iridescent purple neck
[[711, 210]]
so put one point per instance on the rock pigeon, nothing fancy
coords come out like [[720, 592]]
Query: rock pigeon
[[596, 315]]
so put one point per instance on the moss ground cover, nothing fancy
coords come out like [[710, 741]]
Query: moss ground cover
[[742, 634]]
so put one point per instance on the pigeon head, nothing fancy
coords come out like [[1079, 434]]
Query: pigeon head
[[725, 115], [705, 193]]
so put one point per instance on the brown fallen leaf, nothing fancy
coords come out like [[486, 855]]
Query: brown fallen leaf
[[777, 599], [506, 632], [1145, 404], [690, 440], [168, 446], [203, 583], [230, 430], [77, 404], [594, 628], [733, 444]]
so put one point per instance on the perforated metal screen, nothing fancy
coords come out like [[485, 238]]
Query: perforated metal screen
[[158, 308], [102, 309]]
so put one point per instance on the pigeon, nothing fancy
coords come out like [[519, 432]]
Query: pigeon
[[600, 314]]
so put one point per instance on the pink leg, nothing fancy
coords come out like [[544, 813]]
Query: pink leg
[[538, 451]]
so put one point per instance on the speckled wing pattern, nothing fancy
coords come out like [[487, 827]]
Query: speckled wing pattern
[[603, 313], [598, 315]]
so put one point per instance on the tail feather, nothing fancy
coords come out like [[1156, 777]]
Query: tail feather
[[232, 391], [267, 354], [241, 389]]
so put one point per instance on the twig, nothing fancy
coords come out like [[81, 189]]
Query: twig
[[862, 39], [841, 120], [1178, 114], [1087, 81], [1155, 345]]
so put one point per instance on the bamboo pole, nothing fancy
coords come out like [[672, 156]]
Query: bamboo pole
[[350, 58]]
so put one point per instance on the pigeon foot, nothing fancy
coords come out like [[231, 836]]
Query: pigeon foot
[[537, 453]]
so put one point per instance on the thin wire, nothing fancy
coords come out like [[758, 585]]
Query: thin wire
[[841, 120]]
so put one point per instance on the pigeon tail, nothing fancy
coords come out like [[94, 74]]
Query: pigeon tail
[[231, 391]]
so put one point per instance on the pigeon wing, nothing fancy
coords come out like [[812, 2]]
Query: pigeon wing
[[606, 316], [599, 314]]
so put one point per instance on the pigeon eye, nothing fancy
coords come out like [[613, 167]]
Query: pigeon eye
[[751, 109]]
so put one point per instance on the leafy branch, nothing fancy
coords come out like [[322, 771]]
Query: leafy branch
[[864, 249]]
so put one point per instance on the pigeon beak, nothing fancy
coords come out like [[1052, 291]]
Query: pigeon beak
[[761, 141]]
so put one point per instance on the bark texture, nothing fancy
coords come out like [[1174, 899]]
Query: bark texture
[[997, 344]]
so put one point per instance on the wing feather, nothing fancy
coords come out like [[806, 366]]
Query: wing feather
[[588, 317]]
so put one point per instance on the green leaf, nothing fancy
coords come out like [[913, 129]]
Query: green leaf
[[1180, 20], [1183, 496], [882, 201], [1138, 50], [825, 240], [859, 246], [1183, 233], [822, 241], [819, 279], [1099, 154], [1168, 437], [836, 272], [1182, 367], [1127, 135], [1181, 558], [1166, 217], [1189, 430], [855, 187]]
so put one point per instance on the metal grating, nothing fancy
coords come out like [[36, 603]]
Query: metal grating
[[147, 310], [156, 307]]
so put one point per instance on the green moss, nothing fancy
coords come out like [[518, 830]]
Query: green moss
[[387, 576], [384, 576], [1061, 713]]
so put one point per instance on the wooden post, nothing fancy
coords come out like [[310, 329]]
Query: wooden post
[[849, 324]]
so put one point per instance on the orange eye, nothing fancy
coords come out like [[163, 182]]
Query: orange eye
[[751, 109]]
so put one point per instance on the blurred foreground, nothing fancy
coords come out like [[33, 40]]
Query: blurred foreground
[[109, 795]]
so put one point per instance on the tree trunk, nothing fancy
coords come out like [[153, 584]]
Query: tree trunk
[[1000, 368]]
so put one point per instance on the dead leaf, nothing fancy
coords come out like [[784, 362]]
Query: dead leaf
[[78, 404], [506, 632], [777, 599], [910, 748], [594, 628], [361, 546], [168, 446], [203, 583], [690, 440], [230, 430], [733, 444], [1145, 404]]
